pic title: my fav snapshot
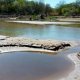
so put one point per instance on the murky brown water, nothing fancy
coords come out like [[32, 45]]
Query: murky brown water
[[33, 66]]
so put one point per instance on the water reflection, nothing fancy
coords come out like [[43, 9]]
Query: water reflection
[[33, 66], [40, 32]]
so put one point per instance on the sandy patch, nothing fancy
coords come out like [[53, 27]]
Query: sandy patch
[[41, 22], [74, 75]]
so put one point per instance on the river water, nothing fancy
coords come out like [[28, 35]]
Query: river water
[[40, 32], [35, 65]]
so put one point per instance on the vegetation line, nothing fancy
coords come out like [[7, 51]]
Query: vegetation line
[[37, 10]]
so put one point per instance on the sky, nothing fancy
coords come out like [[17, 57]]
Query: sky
[[53, 3]]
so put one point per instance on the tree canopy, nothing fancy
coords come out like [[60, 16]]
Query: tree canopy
[[72, 9], [22, 7], [25, 7]]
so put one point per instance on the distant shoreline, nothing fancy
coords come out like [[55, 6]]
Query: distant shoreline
[[40, 22]]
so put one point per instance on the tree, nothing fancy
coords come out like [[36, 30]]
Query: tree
[[72, 9], [23, 7], [48, 10]]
